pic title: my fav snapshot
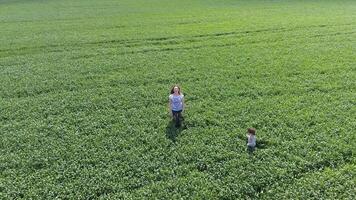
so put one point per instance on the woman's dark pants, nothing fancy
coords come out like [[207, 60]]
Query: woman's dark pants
[[177, 117]]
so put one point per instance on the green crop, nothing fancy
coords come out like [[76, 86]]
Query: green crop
[[84, 89]]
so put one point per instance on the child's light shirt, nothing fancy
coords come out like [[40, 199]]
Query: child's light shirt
[[251, 140]]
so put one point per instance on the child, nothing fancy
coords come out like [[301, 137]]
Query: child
[[176, 104], [251, 138]]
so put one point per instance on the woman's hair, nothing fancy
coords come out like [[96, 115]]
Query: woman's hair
[[251, 130], [172, 90]]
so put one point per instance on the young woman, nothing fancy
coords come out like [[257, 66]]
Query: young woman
[[176, 104]]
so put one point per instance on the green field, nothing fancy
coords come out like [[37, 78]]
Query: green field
[[84, 89]]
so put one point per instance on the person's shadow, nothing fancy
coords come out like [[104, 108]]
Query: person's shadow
[[172, 131]]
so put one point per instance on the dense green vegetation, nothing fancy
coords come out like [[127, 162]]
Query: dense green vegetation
[[84, 90]]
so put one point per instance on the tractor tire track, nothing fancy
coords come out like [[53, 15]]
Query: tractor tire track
[[171, 40]]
